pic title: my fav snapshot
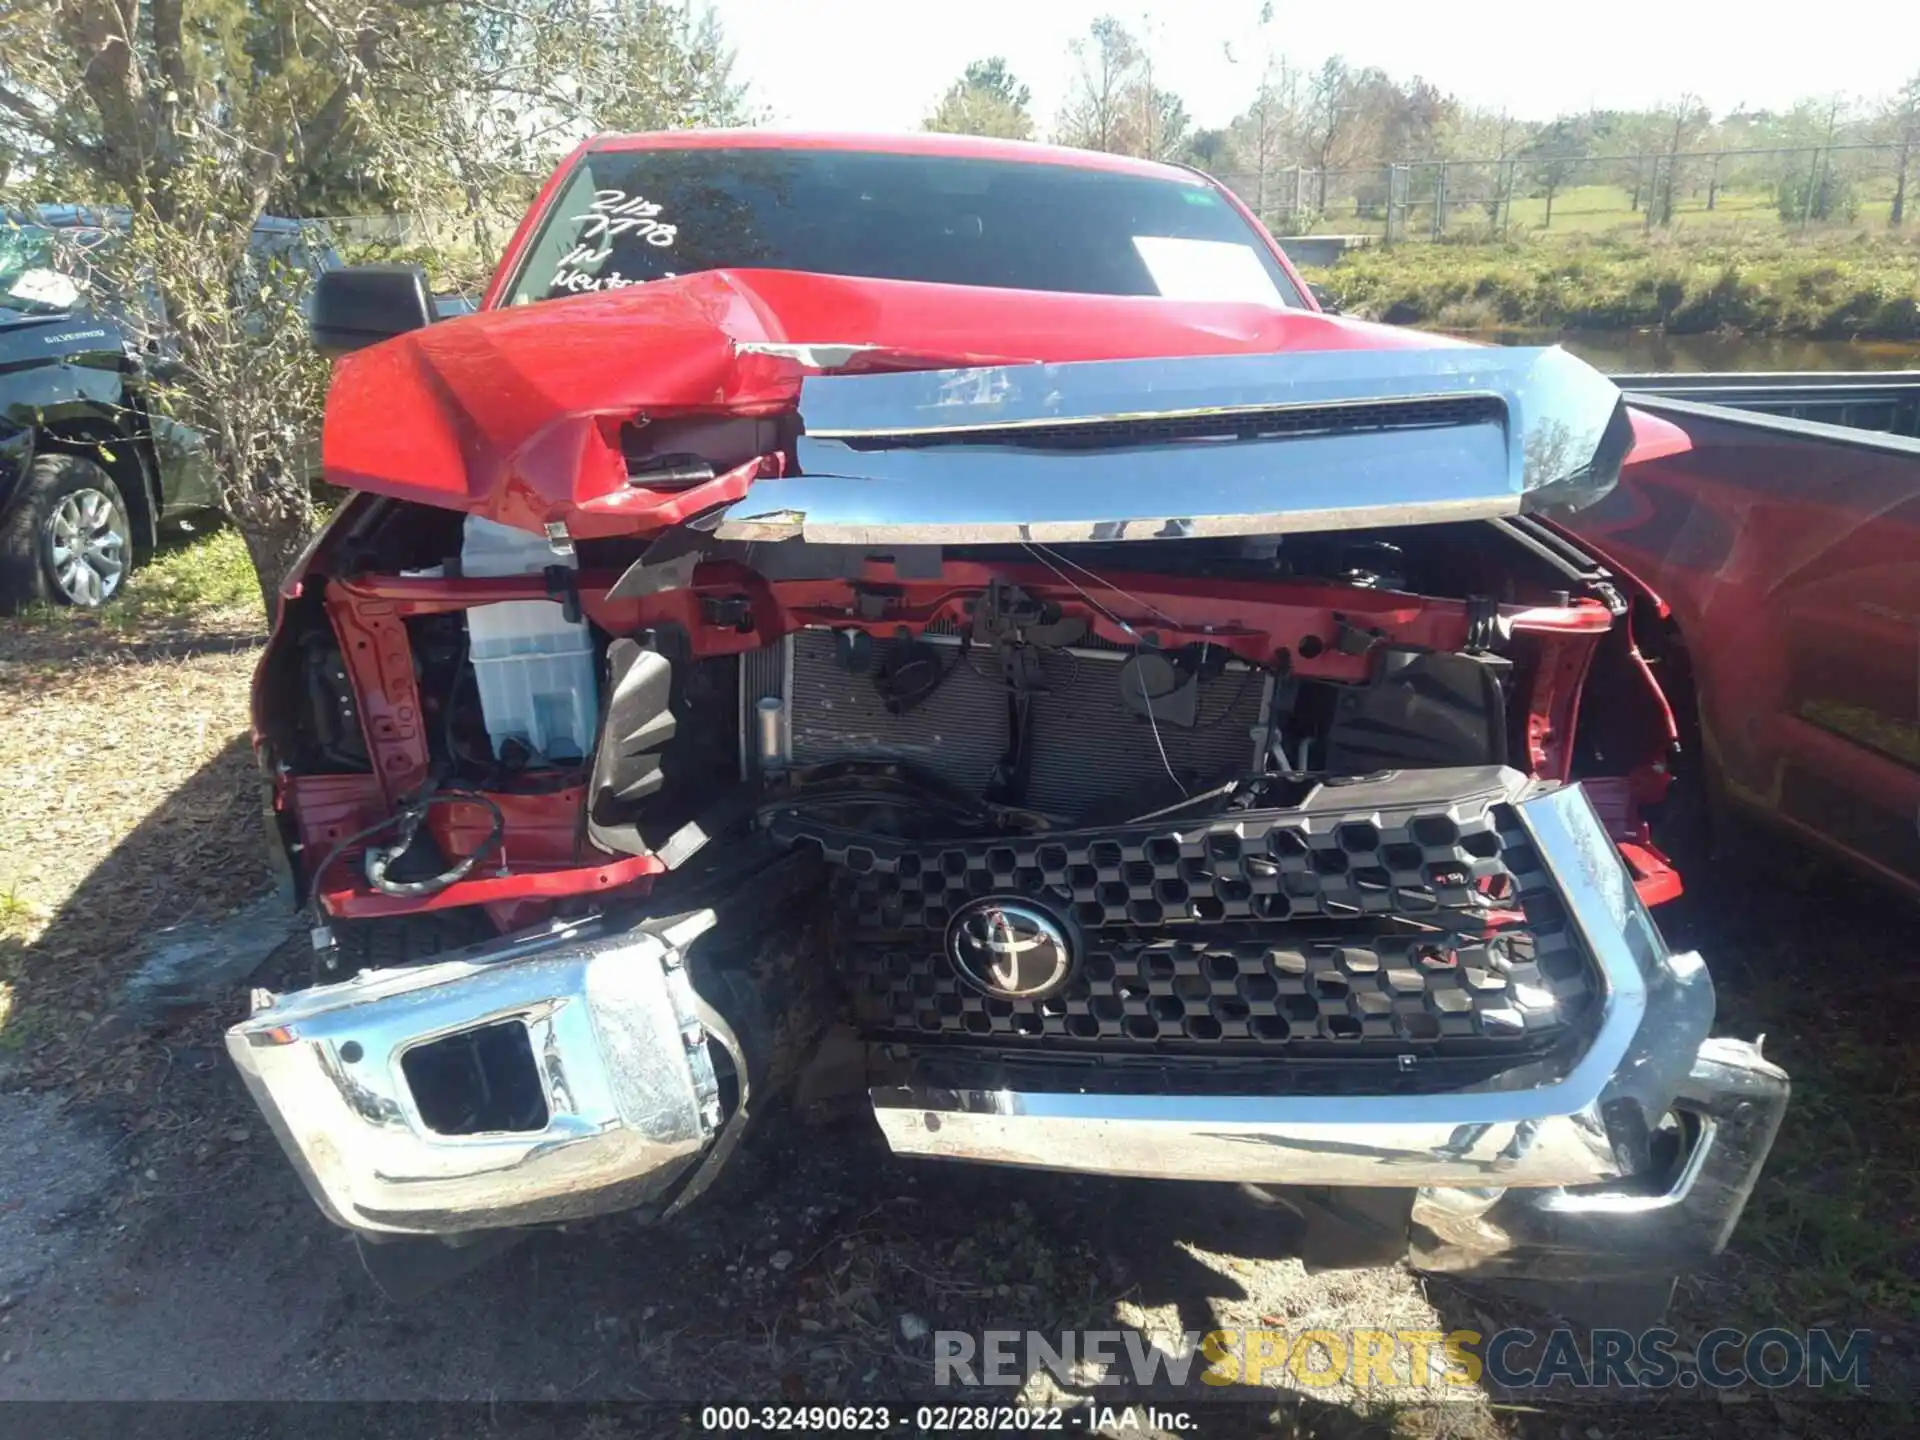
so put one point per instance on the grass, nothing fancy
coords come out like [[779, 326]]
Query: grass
[[1838, 1216], [1831, 1234], [16, 914], [204, 574], [208, 573], [1862, 285], [1592, 208]]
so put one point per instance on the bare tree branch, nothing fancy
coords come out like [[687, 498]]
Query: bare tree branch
[[44, 128], [104, 32]]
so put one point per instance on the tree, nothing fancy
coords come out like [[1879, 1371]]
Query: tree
[[532, 75], [1108, 64], [199, 115], [1264, 137], [1553, 157], [985, 100], [1903, 119], [1159, 128], [1266, 134], [1808, 185], [1211, 150], [1115, 106], [1687, 121], [1329, 110]]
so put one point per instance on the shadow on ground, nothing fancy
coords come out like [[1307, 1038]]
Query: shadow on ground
[[196, 857]]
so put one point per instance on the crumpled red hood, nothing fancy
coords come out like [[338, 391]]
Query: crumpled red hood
[[514, 414]]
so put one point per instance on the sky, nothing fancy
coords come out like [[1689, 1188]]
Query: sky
[[882, 64]]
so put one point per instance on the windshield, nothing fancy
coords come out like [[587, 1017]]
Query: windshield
[[31, 282], [625, 217]]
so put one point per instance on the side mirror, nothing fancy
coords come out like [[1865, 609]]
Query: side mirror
[[360, 305], [1323, 297]]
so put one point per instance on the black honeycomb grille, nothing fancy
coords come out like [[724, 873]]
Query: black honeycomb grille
[[1419, 862], [1427, 927], [1245, 989]]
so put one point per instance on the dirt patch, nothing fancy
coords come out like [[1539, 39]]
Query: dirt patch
[[819, 1270]]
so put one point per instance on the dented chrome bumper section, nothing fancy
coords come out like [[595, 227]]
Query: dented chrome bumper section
[[608, 1028], [1191, 447], [1549, 1167], [1732, 1103]]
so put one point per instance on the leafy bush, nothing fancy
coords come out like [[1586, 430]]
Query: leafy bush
[[1815, 191]]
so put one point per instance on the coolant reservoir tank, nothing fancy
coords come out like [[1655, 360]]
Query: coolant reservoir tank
[[534, 667]]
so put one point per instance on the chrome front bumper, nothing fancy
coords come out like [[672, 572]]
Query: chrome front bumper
[[613, 1037], [1580, 1121], [1535, 1171]]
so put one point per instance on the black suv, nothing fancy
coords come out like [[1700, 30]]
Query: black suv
[[89, 470]]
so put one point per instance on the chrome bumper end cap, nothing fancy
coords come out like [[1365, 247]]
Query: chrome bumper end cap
[[1734, 1100], [628, 1096]]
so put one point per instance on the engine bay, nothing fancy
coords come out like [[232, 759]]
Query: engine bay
[[1021, 689]]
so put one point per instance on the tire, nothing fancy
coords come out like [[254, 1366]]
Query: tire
[[68, 540]]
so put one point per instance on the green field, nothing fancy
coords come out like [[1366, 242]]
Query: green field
[[1598, 209], [1859, 284]]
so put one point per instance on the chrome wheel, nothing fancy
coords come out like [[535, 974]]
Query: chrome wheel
[[86, 538]]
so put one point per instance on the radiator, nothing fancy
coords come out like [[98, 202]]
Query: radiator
[[1087, 746]]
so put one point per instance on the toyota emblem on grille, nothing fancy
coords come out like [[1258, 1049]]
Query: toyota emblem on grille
[[1010, 949]]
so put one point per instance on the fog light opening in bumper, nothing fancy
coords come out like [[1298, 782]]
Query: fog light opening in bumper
[[1671, 1148], [477, 1082]]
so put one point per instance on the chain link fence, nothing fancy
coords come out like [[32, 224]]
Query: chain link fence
[[1828, 185]]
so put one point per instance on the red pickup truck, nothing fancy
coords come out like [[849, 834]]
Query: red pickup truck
[[958, 604], [1783, 545]]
